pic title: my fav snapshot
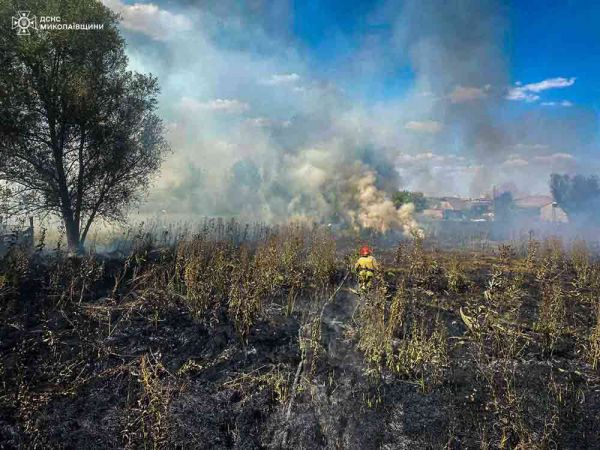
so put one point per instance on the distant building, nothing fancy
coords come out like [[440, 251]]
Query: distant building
[[433, 213], [448, 203], [454, 214], [540, 207], [533, 201], [528, 208], [553, 213], [459, 209]]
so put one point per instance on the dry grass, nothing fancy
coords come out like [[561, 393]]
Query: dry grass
[[148, 414], [430, 315]]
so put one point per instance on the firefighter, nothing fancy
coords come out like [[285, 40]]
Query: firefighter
[[365, 266]]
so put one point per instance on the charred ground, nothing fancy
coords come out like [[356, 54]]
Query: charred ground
[[219, 342]]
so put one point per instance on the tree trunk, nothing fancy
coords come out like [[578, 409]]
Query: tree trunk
[[73, 241]]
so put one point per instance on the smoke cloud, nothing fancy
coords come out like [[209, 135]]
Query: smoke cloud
[[379, 213], [259, 133]]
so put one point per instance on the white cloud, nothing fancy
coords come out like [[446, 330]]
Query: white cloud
[[473, 168], [263, 122], [555, 158], [282, 78], [515, 162], [529, 147], [425, 126], [149, 19], [565, 103], [259, 122], [528, 92], [550, 83], [191, 105], [462, 94], [520, 93], [428, 157]]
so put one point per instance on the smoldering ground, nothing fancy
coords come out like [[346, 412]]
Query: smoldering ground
[[233, 343]]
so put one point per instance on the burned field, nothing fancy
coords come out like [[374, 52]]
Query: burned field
[[260, 343]]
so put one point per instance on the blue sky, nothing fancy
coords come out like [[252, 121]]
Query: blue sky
[[453, 96], [558, 37], [332, 33], [543, 39]]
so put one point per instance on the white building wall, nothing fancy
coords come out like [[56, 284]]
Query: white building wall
[[553, 213]]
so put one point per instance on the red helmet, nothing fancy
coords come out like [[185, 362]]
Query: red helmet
[[365, 250]]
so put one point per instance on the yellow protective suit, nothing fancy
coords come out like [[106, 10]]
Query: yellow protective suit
[[366, 267]]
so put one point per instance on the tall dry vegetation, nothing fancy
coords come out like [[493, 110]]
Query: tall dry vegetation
[[241, 279], [511, 337], [512, 308]]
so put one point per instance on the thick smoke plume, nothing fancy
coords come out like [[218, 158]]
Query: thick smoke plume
[[258, 133], [377, 212]]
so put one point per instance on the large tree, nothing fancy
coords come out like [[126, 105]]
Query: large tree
[[578, 196], [416, 198], [79, 136]]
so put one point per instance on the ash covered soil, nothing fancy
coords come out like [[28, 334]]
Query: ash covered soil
[[449, 349]]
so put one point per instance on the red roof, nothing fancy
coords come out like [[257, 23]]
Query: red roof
[[533, 201]]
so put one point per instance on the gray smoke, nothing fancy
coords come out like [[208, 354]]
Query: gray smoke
[[456, 52], [258, 134]]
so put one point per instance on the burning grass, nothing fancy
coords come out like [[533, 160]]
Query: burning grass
[[241, 336]]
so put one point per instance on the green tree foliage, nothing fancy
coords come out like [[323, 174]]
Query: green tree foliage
[[578, 196], [417, 198], [79, 137]]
